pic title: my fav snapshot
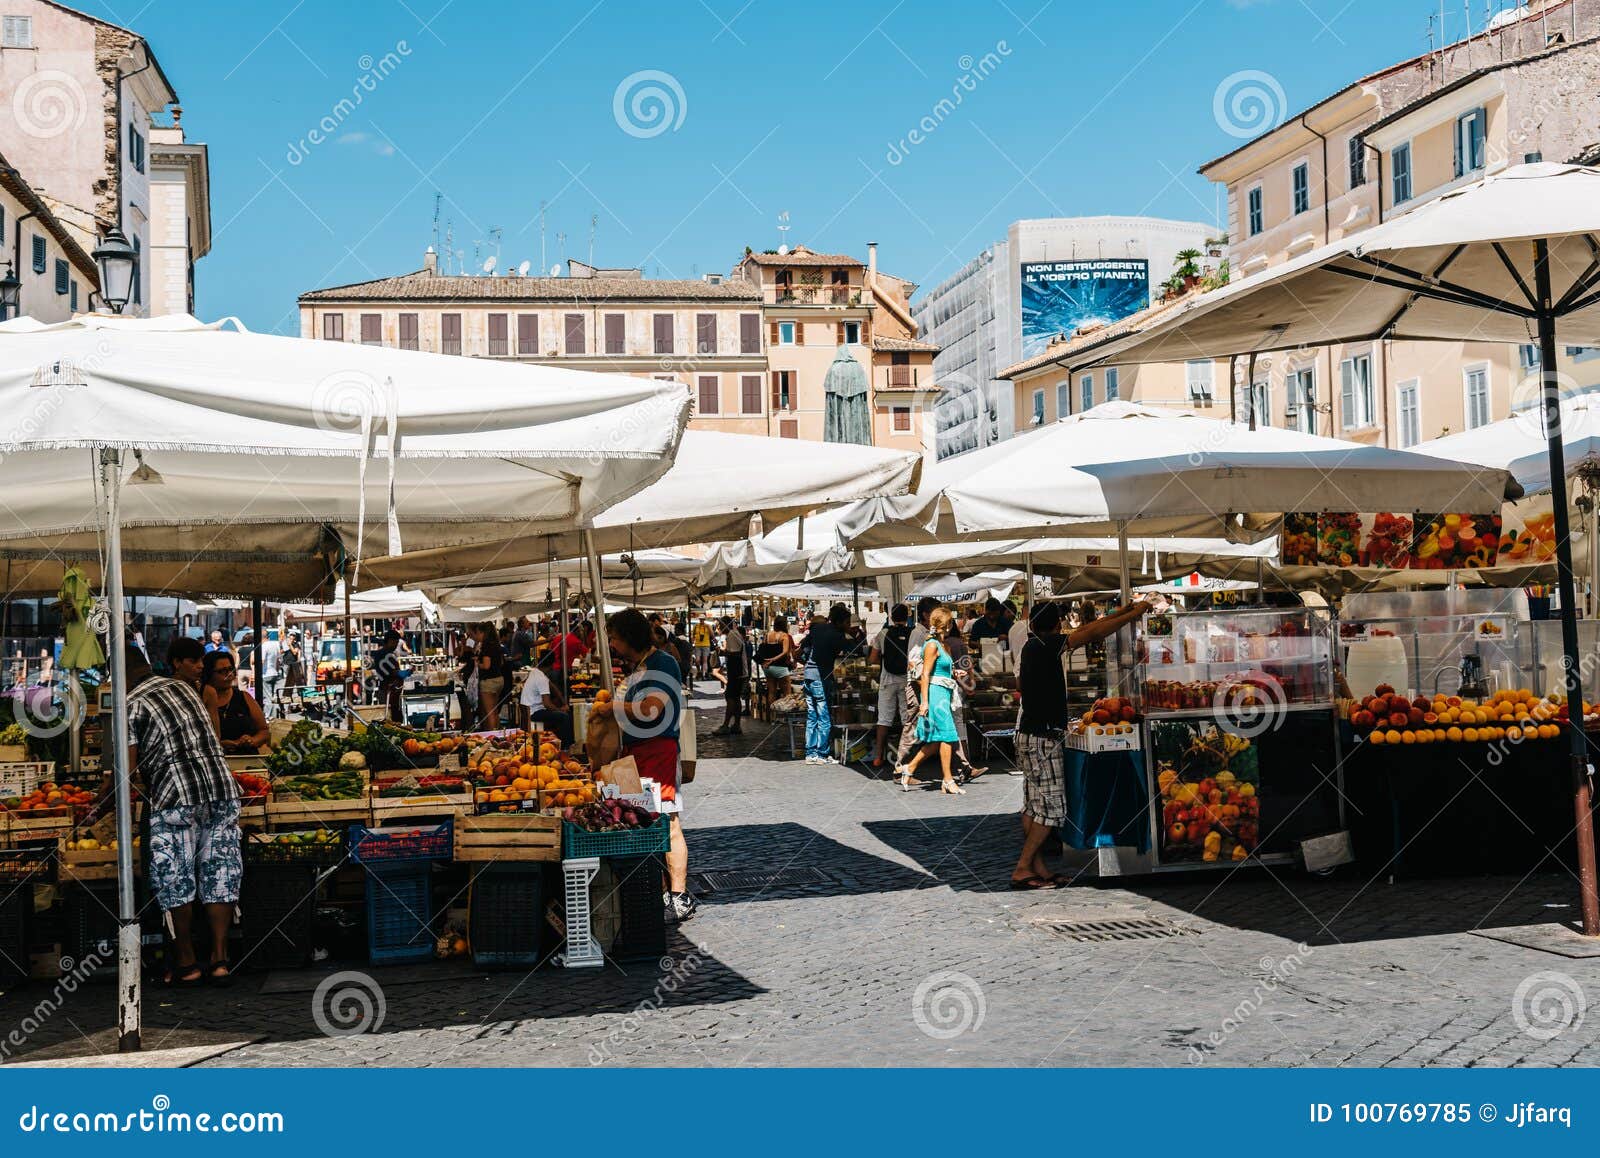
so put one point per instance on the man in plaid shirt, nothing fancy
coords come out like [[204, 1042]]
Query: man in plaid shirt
[[194, 812]]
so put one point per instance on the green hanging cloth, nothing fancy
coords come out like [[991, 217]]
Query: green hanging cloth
[[81, 649]]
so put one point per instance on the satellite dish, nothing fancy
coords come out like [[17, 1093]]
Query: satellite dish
[[488, 265], [782, 249], [522, 270], [555, 271]]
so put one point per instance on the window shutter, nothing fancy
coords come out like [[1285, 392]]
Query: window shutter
[[38, 254], [749, 334], [773, 339], [663, 333], [616, 334], [1347, 392], [776, 395], [575, 335], [63, 276], [706, 333], [750, 394], [1480, 137], [528, 334], [1462, 130], [788, 428]]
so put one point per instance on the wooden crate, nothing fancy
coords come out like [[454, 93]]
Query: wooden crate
[[97, 865], [298, 813], [16, 827], [514, 836], [406, 808]]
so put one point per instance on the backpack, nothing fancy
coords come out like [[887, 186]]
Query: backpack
[[896, 641]]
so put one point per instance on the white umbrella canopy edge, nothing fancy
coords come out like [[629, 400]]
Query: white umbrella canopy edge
[[715, 487]]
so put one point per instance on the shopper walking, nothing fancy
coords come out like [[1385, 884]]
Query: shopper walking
[[912, 701], [387, 679], [734, 674], [966, 683], [1042, 682], [775, 659], [649, 712], [935, 728], [702, 649], [271, 671], [889, 653], [818, 654], [194, 813]]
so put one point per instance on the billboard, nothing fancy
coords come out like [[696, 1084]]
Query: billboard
[[1061, 297]]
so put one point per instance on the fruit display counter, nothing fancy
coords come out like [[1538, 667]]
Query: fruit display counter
[[1241, 744]]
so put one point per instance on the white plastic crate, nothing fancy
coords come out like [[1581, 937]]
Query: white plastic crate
[[1104, 741], [22, 777], [583, 951]]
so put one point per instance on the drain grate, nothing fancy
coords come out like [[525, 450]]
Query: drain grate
[[733, 880], [1125, 929]]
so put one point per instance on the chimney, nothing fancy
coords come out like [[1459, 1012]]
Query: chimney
[[872, 259], [430, 262]]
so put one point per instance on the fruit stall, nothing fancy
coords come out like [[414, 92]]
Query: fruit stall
[[389, 843]]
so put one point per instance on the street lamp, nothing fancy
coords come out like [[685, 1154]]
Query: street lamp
[[119, 265], [10, 294]]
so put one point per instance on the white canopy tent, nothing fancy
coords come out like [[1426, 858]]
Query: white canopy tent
[[264, 459], [376, 603], [1123, 468], [141, 426], [1514, 257], [1520, 443], [715, 487], [652, 578]]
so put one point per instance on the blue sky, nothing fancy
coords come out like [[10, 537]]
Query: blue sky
[[1066, 107]]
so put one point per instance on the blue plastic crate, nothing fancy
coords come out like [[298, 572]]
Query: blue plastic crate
[[420, 842], [577, 842], [400, 912]]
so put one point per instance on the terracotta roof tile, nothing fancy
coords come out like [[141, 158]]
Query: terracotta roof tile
[[905, 345], [421, 286]]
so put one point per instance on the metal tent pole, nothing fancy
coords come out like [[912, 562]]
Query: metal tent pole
[[1122, 563], [129, 1013], [1027, 595], [1589, 895], [602, 644]]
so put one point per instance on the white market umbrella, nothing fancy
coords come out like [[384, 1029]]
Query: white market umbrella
[[251, 427], [1520, 444], [711, 492], [1512, 257], [375, 603], [1122, 468], [641, 578], [262, 455]]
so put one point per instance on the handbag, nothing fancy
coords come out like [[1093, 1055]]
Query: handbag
[[687, 748]]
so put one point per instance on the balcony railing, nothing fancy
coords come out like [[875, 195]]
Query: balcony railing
[[816, 295]]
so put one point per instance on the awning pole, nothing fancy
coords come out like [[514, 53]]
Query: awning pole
[[1122, 563], [1589, 895], [602, 644], [129, 948], [1027, 598]]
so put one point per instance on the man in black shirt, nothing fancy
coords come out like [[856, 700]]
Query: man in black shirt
[[1042, 683]]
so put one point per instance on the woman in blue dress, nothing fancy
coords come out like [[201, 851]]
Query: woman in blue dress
[[936, 722]]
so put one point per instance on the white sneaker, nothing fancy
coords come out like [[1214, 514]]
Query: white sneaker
[[813, 760]]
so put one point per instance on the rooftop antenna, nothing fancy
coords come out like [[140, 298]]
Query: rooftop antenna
[[543, 205], [438, 200], [477, 250], [488, 265], [1466, 11], [522, 270], [561, 244], [449, 243], [783, 229], [495, 233], [594, 222]]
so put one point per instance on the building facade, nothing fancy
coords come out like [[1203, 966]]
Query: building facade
[[754, 346], [180, 217], [57, 277], [1526, 90], [707, 334], [85, 97], [998, 309], [817, 305]]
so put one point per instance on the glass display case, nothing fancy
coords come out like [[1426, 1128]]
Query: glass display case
[[1450, 642], [1247, 660], [1240, 734]]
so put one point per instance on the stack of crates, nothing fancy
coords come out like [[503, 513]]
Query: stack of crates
[[399, 864]]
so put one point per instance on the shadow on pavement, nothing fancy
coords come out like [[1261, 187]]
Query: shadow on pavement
[[803, 862]]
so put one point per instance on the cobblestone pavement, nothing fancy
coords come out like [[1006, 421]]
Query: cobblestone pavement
[[894, 941]]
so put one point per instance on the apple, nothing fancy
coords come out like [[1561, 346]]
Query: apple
[[1364, 718], [1384, 690]]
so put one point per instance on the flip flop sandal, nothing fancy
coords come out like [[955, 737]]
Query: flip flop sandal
[[180, 979], [1029, 884], [216, 978]]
